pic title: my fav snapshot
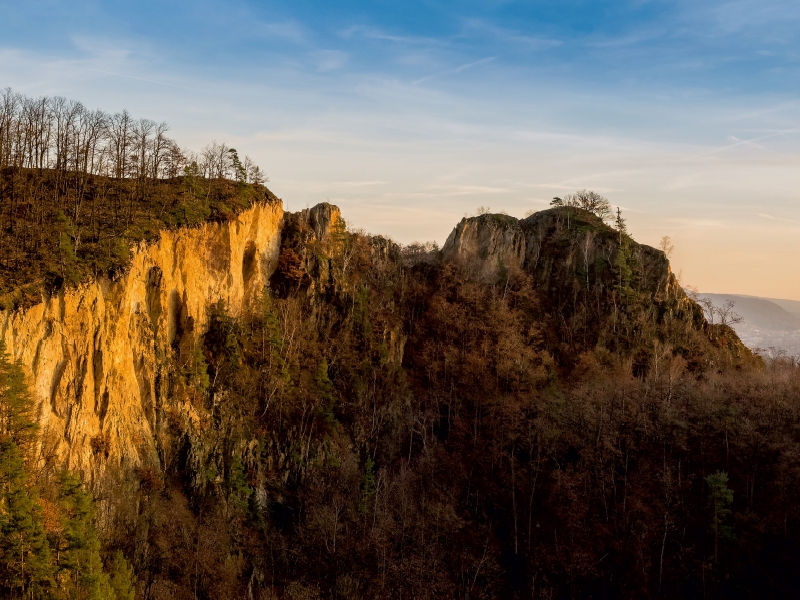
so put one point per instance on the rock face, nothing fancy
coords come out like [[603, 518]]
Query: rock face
[[554, 245], [322, 219], [495, 237], [94, 353]]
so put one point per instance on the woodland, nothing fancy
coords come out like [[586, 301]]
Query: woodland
[[388, 421]]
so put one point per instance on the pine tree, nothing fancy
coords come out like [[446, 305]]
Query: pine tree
[[238, 490], [16, 404], [620, 226], [121, 580], [66, 246], [719, 499], [80, 569], [24, 553]]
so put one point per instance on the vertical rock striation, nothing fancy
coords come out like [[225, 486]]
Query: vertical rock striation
[[94, 353]]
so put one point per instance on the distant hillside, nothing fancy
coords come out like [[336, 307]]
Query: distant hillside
[[790, 306], [760, 313], [768, 322]]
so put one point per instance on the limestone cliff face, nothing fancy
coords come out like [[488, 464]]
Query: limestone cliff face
[[554, 246], [94, 353], [321, 219]]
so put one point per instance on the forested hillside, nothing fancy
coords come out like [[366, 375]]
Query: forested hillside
[[535, 411]]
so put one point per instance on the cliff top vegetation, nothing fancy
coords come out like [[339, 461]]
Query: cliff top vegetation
[[80, 187]]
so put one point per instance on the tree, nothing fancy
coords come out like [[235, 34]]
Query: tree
[[726, 314], [77, 546], [24, 553], [66, 245], [665, 245], [719, 499], [619, 224], [121, 577], [591, 201], [239, 170], [16, 403]]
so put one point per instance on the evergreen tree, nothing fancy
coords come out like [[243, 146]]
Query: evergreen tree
[[24, 553], [239, 171], [80, 569], [325, 389], [16, 404], [238, 490], [719, 499], [121, 580], [66, 246]]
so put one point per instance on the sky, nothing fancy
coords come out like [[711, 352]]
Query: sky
[[410, 115]]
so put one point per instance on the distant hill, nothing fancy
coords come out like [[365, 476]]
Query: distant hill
[[790, 306], [768, 322], [761, 313]]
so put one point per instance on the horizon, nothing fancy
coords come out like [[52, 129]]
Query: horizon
[[409, 117]]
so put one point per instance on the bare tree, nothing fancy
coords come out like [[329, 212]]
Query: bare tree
[[591, 201], [726, 314], [142, 130], [709, 310], [665, 245], [723, 315], [159, 150], [587, 246], [120, 140]]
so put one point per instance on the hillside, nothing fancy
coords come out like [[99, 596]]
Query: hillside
[[599, 289], [790, 306], [269, 405]]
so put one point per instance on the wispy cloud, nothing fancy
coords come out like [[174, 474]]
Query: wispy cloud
[[287, 30], [472, 28], [374, 33], [456, 70]]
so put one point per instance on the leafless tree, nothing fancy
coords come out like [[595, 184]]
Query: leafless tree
[[665, 245], [120, 135], [726, 314], [591, 201]]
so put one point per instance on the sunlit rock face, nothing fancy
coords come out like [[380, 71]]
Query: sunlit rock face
[[96, 354]]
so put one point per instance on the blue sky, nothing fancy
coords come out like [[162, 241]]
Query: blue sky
[[411, 114]]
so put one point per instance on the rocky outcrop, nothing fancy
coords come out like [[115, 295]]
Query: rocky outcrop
[[554, 246], [322, 219], [94, 353], [494, 239]]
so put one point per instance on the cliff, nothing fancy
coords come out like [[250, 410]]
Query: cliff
[[94, 353], [489, 237], [557, 246]]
